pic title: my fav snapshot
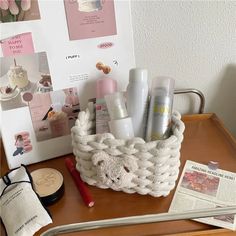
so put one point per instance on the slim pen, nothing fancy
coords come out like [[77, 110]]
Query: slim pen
[[84, 192]]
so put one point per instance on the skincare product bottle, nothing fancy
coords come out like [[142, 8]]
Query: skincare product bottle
[[160, 109], [137, 100], [104, 86], [121, 124]]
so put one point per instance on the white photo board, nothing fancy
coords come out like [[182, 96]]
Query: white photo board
[[48, 70]]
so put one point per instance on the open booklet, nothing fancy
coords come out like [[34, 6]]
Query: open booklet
[[201, 187]]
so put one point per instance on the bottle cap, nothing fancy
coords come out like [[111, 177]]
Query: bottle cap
[[138, 75], [105, 86], [163, 84], [116, 106]]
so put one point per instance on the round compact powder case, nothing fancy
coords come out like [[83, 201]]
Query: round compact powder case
[[48, 184]]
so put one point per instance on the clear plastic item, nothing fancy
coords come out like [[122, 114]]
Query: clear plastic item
[[116, 106], [104, 86], [121, 124], [137, 100], [160, 109]]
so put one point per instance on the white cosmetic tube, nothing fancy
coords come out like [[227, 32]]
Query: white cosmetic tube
[[137, 100]]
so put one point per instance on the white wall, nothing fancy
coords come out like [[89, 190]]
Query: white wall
[[193, 42]]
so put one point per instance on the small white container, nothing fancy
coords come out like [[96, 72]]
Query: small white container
[[122, 129], [137, 100], [121, 124]]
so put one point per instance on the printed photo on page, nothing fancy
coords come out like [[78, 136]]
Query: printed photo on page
[[22, 143], [21, 76], [201, 187], [18, 10], [90, 18], [54, 114]]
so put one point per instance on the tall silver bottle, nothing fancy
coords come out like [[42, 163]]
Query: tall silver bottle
[[160, 109], [137, 100]]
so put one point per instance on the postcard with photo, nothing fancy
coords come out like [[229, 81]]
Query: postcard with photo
[[20, 75], [54, 114], [90, 19], [20, 10]]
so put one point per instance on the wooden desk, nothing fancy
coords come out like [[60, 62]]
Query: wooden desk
[[205, 139]]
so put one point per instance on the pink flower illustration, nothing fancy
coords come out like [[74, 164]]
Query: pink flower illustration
[[13, 7], [4, 4], [25, 5]]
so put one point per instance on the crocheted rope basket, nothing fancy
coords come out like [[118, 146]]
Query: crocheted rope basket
[[131, 166]]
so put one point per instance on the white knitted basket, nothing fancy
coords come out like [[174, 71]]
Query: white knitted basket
[[130, 166]]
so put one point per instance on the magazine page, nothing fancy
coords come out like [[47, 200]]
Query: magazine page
[[48, 56], [200, 187]]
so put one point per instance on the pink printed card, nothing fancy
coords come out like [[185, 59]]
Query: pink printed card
[[18, 45], [90, 19]]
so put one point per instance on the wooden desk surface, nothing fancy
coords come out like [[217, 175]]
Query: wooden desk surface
[[205, 139]]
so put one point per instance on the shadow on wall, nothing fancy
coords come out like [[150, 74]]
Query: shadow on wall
[[224, 103]]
